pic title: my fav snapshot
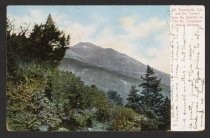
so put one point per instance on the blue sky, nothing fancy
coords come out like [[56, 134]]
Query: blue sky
[[138, 31]]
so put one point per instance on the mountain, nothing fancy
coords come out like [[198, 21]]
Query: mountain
[[112, 60], [107, 68]]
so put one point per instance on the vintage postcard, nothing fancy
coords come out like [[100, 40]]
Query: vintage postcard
[[105, 68]]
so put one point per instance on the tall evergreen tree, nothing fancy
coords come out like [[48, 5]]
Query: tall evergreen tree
[[48, 43], [133, 99], [151, 97]]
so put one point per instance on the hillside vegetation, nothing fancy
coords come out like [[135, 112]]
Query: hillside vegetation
[[40, 97]]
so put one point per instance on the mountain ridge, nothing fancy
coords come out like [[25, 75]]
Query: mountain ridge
[[112, 60]]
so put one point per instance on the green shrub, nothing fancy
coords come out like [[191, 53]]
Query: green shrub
[[125, 119], [103, 113], [148, 124], [80, 118]]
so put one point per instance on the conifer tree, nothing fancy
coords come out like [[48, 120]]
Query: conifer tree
[[48, 43], [151, 97], [133, 99]]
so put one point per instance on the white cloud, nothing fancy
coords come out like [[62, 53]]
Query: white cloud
[[108, 39], [28, 20], [79, 32], [161, 59], [128, 22], [141, 30]]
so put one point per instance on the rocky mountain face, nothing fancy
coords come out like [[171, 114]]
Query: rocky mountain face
[[107, 68]]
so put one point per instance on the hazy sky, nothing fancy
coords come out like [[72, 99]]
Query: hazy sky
[[141, 32]]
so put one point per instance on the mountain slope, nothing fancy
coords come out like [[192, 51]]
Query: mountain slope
[[111, 60], [107, 68], [103, 78]]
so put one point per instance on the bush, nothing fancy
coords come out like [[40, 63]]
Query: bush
[[20, 108], [148, 124], [28, 107], [81, 118], [103, 113], [125, 119]]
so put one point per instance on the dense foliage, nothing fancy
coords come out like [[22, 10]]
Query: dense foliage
[[133, 99], [125, 119], [45, 43], [40, 97], [114, 97], [150, 102], [48, 97]]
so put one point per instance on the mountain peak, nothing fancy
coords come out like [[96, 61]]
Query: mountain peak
[[111, 50], [110, 59], [86, 45], [91, 46]]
